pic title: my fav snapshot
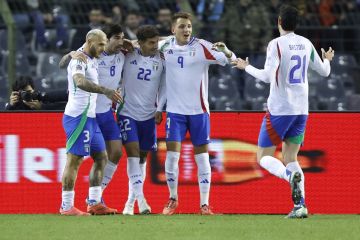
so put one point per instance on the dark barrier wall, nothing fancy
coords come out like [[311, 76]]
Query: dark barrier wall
[[32, 157]]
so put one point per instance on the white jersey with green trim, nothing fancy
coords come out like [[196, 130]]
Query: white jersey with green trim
[[110, 69], [143, 85], [287, 60], [79, 99], [187, 74]]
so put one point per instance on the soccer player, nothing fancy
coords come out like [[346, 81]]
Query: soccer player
[[111, 63], [82, 132], [144, 96], [287, 61], [187, 61]]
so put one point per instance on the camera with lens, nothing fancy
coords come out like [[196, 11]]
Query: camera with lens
[[30, 96]]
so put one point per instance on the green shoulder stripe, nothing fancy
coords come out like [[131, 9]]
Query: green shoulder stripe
[[312, 55]]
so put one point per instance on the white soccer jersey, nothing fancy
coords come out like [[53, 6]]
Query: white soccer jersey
[[80, 100], [287, 60], [187, 74], [110, 69], [143, 83]]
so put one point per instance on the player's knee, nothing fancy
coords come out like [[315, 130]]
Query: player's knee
[[115, 156]]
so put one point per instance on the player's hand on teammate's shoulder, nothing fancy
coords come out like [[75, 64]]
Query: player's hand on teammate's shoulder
[[158, 117], [221, 47], [128, 45], [329, 54], [78, 56], [240, 63]]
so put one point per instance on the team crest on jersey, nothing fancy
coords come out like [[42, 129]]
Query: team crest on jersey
[[78, 67], [170, 52], [133, 62], [155, 66], [192, 52], [102, 63]]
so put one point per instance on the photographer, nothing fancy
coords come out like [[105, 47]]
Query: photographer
[[24, 97]]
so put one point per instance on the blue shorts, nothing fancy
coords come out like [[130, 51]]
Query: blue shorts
[[275, 129], [107, 124], [198, 125], [143, 132], [82, 138]]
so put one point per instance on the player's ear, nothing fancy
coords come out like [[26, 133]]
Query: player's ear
[[279, 21]]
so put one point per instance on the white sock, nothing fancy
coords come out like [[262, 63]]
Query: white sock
[[109, 171], [172, 172], [275, 167], [95, 194], [204, 176], [143, 170], [131, 196], [295, 167], [67, 200], [135, 177]]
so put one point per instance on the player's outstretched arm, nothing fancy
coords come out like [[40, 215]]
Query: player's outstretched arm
[[240, 63], [72, 55], [221, 47], [88, 86]]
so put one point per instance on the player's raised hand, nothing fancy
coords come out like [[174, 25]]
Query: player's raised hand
[[328, 55], [78, 56], [221, 47], [240, 63], [158, 117]]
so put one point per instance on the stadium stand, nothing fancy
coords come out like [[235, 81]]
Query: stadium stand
[[48, 29]]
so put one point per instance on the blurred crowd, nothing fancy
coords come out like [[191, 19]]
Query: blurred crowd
[[245, 25]]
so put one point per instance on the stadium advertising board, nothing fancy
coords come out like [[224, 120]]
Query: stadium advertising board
[[32, 157]]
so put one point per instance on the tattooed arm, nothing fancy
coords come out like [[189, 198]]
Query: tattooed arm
[[88, 86]]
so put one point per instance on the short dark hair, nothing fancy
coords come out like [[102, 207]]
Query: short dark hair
[[21, 83], [147, 31], [178, 15], [289, 17], [112, 29]]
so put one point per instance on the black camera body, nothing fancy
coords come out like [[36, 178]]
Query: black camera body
[[30, 96]]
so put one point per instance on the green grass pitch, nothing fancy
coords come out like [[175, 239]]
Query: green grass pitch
[[188, 226]]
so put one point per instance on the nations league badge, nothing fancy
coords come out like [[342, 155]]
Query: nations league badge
[[155, 66], [192, 52], [87, 148]]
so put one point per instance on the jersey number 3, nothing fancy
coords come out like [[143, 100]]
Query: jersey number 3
[[295, 76]]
